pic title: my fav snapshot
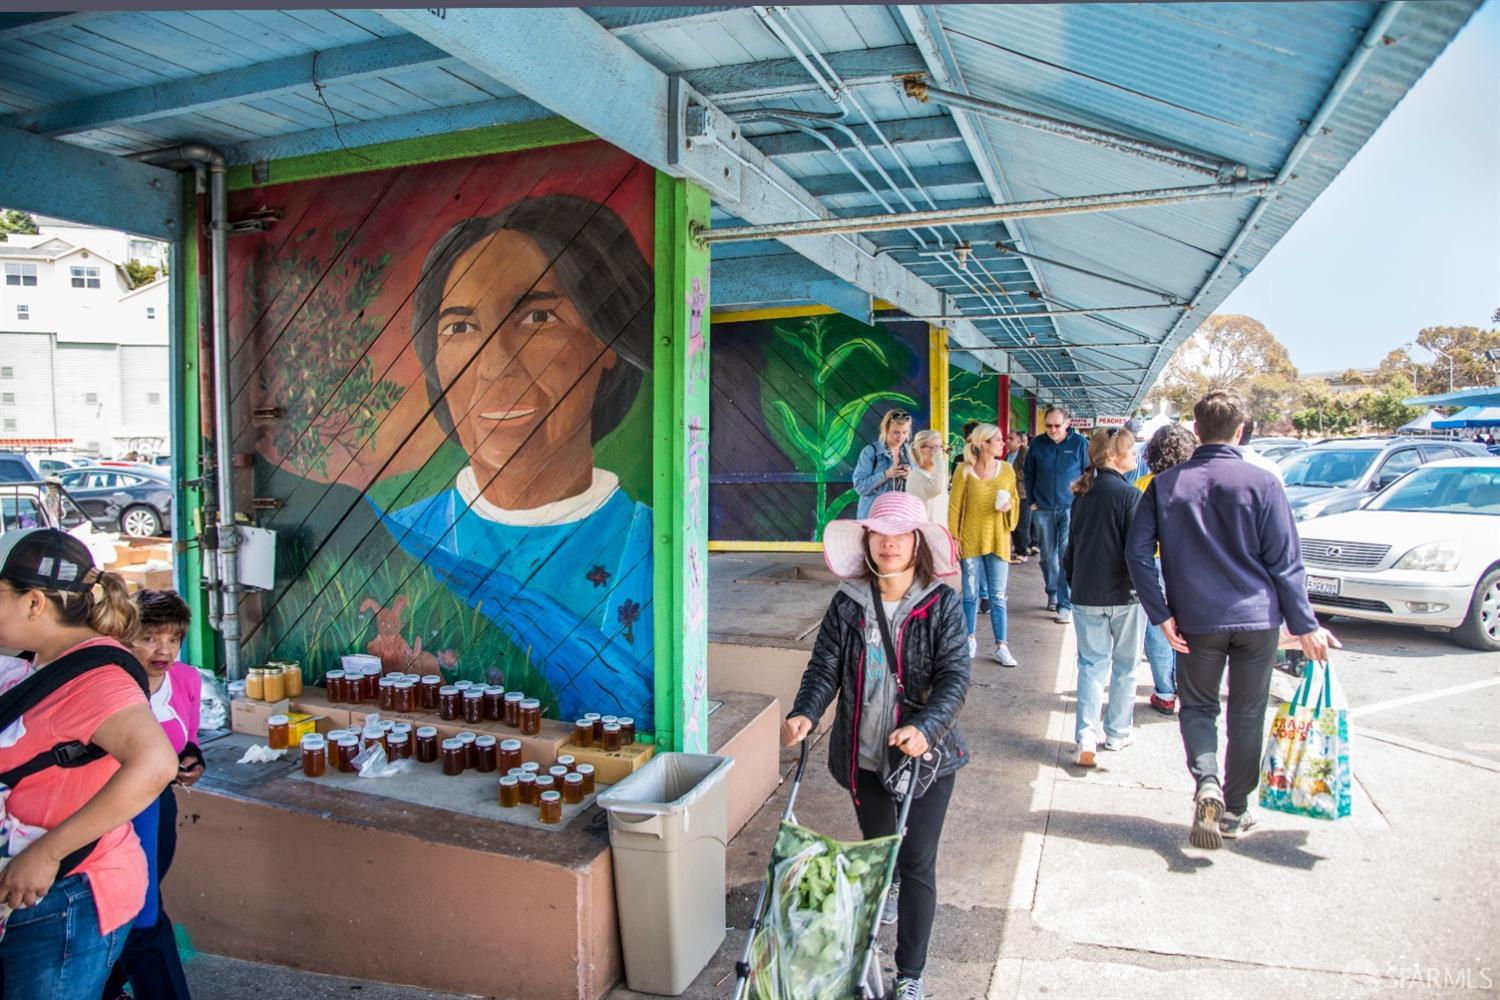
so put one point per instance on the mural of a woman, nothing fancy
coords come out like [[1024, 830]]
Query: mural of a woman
[[534, 328]]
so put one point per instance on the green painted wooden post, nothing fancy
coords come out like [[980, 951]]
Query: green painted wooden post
[[201, 645], [680, 467]]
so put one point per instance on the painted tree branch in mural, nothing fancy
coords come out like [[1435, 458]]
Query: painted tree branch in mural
[[824, 444], [323, 378]]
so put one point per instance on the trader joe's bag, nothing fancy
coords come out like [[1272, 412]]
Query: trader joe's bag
[[1305, 769]]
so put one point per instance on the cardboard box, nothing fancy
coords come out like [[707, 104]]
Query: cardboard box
[[314, 701], [301, 725], [130, 555], [249, 716], [611, 766], [148, 575]]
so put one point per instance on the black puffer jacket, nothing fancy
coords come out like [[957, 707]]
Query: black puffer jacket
[[933, 645]]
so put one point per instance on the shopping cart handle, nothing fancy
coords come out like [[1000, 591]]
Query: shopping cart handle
[[802, 757]]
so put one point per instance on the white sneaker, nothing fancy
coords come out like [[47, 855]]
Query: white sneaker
[[1002, 656], [1084, 756], [973, 647], [1118, 742]]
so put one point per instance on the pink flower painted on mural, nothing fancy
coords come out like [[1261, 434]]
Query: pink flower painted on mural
[[697, 299]]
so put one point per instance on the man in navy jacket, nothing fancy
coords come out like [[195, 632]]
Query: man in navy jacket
[[1233, 572], [1053, 462]]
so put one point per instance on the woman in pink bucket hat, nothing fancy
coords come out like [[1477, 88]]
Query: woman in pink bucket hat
[[890, 563]]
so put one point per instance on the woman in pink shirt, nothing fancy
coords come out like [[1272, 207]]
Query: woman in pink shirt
[[67, 927]]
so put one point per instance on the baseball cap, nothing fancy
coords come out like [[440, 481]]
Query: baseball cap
[[46, 558], [1134, 426]]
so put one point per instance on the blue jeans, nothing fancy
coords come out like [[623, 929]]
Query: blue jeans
[[1109, 643], [991, 572], [1052, 539], [1162, 657], [54, 949]]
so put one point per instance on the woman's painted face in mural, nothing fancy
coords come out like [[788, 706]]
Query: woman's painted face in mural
[[518, 361]]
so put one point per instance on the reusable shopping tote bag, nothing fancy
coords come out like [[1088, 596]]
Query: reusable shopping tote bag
[[1306, 769]]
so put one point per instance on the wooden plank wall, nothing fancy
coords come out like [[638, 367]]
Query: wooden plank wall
[[540, 350]]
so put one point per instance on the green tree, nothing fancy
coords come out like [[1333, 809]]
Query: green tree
[[1384, 409], [140, 274], [13, 220], [1466, 346]]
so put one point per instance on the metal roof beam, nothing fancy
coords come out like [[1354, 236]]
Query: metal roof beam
[[786, 77], [785, 278], [941, 176], [100, 189], [901, 132], [200, 93], [1040, 314], [616, 94]]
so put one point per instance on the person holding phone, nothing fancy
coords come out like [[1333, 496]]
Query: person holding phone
[[884, 465]]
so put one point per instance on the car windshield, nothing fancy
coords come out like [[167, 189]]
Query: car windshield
[[1444, 490], [1327, 466]]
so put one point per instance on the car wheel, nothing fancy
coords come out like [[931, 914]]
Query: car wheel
[[1481, 628], [140, 522]]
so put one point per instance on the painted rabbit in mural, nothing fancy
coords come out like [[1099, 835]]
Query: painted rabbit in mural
[[396, 654]]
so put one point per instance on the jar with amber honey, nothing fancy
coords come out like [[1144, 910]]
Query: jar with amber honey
[[549, 807], [348, 749], [531, 717], [278, 732], [387, 698], [544, 784], [566, 761], [473, 702], [512, 702], [510, 792], [448, 703], [494, 702], [453, 757], [255, 684], [486, 756], [399, 742], [427, 744], [274, 684], [527, 781], [333, 686], [627, 730], [463, 685], [596, 724], [471, 749], [406, 695], [369, 691], [572, 789], [583, 733], [430, 685], [586, 772], [531, 766], [314, 755], [557, 772], [510, 754], [611, 741], [292, 677]]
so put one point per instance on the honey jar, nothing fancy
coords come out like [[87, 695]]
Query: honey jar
[[463, 685], [510, 755], [387, 697], [586, 772], [333, 686], [611, 736], [369, 689], [453, 757], [596, 722], [275, 685], [430, 685], [531, 717], [550, 807], [278, 732], [557, 772], [494, 702], [471, 749], [314, 755], [427, 744], [292, 673], [484, 749], [348, 750], [527, 781], [583, 732], [448, 703], [627, 730], [566, 761], [510, 792], [572, 789], [473, 702], [399, 742], [544, 784], [255, 684], [512, 702], [531, 767], [406, 695]]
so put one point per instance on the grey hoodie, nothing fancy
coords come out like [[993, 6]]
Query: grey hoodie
[[877, 715]]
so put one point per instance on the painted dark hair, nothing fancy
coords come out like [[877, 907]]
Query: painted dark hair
[[601, 269]]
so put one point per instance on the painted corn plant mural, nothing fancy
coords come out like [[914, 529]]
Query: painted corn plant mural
[[794, 401], [970, 397]]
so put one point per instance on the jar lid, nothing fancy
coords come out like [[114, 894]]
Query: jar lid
[[278, 720], [494, 689], [557, 770], [288, 668], [608, 719], [432, 679], [509, 779], [572, 779], [387, 682], [550, 797], [592, 716], [544, 781], [453, 744], [625, 720], [236, 686], [466, 737], [463, 685], [425, 731], [566, 760], [531, 703], [406, 682], [585, 769], [583, 722], [485, 740], [314, 741], [401, 727], [335, 674], [518, 771], [447, 689], [515, 696], [473, 692], [531, 766], [386, 725], [510, 744], [370, 669], [611, 727], [348, 740], [525, 777]]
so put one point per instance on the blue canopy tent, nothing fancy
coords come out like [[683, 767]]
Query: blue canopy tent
[[1471, 416], [1487, 396]]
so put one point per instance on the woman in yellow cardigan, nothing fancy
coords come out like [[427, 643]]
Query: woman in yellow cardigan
[[982, 512]]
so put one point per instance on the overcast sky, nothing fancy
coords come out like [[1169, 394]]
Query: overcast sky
[[1408, 236]]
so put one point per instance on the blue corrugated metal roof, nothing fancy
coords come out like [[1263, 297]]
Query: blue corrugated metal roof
[[1235, 81]]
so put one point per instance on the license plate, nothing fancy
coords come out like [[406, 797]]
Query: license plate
[[1323, 586]]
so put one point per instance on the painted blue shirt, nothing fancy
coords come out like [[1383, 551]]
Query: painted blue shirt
[[577, 594]]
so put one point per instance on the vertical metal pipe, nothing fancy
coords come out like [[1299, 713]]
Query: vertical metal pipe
[[229, 618]]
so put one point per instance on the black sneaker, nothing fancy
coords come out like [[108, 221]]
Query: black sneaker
[[888, 913], [1208, 809], [1232, 825], [908, 988]]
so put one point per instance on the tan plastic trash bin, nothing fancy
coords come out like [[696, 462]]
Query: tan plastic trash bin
[[667, 828]]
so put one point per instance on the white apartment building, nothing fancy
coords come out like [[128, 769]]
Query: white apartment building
[[82, 354]]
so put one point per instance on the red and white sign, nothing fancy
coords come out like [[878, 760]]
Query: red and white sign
[[1110, 421], [1082, 423]]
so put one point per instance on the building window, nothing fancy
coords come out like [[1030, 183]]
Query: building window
[[7, 372], [84, 277], [153, 399], [8, 398], [91, 399], [10, 423], [23, 312], [20, 274], [150, 312]]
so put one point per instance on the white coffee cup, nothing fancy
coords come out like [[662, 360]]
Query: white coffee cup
[[1002, 500]]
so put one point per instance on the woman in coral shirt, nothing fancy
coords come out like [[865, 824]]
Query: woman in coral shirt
[[66, 928]]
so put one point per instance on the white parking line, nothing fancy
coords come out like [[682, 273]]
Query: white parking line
[[1412, 699]]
